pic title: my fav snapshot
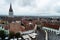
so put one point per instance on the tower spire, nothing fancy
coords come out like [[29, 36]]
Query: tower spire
[[10, 10]]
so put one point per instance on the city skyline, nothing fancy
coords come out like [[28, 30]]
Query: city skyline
[[31, 7]]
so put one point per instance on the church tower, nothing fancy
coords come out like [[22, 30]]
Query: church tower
[[10, 11]]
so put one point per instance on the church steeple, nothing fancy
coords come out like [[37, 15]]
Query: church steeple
[[10, 10]]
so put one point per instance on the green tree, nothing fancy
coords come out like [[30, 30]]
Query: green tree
[[11, 35], [17, 35], [2, 34]]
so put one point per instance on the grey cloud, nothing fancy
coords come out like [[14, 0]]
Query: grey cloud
[[31, 3], [9, 1], [57, 9], [26, 2]]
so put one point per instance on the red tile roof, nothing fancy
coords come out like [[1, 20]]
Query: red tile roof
[[51, 25], [16, 27], [6, 27]]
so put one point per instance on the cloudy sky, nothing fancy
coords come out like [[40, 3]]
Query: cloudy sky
[[31, 7]]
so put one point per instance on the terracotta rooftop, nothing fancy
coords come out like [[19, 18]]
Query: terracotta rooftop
[[54, 26], [16, 27], [6, 27]]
